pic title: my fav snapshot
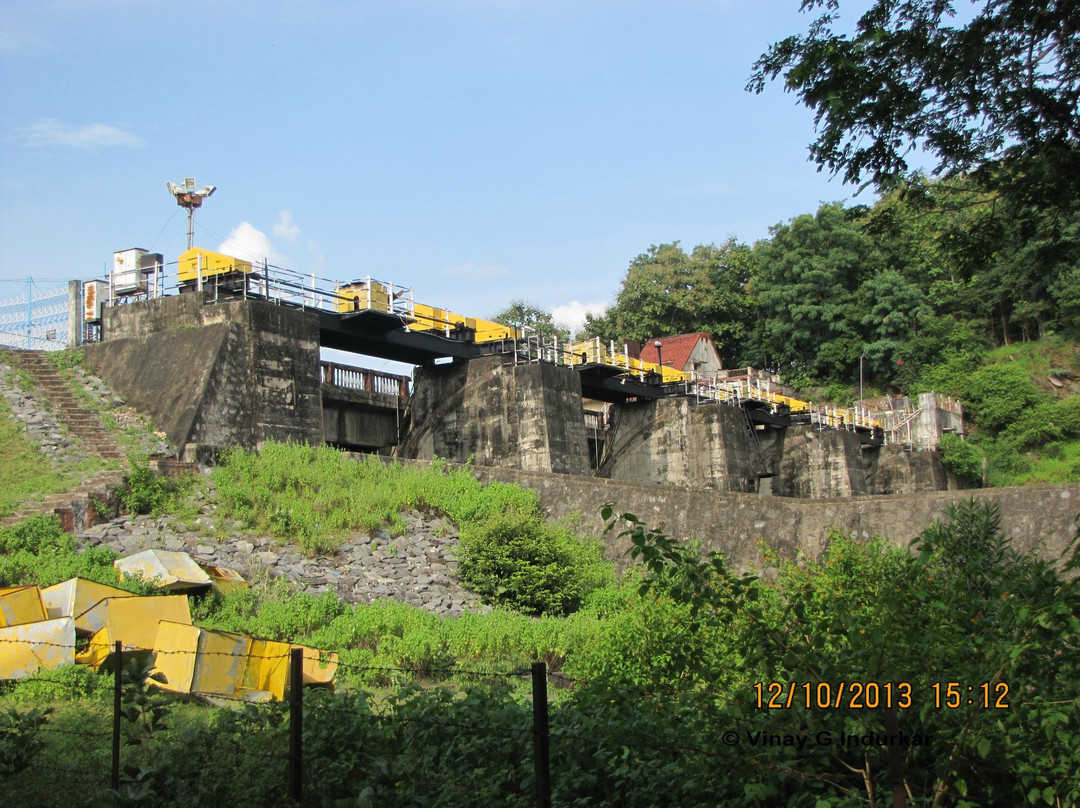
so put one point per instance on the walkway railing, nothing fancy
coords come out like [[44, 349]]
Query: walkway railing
[[287, 287], [370, 381]]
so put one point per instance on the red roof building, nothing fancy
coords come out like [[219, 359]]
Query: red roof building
[[691, 353]]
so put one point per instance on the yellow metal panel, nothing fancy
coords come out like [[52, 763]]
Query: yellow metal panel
[[133, 621], [488, 331], [223, 579], [429, 318], [268, 667], [28, 648], [173, 571], [319, 666], [74, 596], [212, 263], [175, 649], [362, 295], [21, 604], [219, 669]]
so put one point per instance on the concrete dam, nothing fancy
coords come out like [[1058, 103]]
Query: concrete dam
[[239, 372]]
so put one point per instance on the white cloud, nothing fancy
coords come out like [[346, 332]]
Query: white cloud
[[285, 228], [572, 314], [248, 242], [476, 272], [51, 132], [14, 40]]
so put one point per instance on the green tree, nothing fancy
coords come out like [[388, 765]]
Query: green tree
[[806, 285], [523, 314], [996, 94], [667, 291]]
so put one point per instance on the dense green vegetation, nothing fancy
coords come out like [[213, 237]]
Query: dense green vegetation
[[662, 707], [508, 552]]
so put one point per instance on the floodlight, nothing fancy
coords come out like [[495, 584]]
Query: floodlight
[[188, 197]]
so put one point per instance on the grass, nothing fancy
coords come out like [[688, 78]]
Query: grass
[[26, 475], [316, 497]]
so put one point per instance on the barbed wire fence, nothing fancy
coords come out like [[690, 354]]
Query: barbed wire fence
[[292, 758]]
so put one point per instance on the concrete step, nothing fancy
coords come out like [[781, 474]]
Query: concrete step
[[84, 424]]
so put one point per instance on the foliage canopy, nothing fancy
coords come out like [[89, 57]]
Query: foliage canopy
[[993, 90]]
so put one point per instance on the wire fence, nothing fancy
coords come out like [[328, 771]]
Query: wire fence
[[294, 747], [525, 729], [36, 319], [133, 699]]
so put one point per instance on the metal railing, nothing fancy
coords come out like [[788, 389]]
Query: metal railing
[[308, 291], [370, 381]]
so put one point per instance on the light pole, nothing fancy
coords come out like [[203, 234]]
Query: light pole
[[862, 356], [188, 197], [660, 358]]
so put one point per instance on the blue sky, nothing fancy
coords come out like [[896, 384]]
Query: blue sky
[[476, 150]]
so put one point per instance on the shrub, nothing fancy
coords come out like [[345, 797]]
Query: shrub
[[144, 491], [530, 565], [996, 395], [35, 534], [963, 458], [19, 742]]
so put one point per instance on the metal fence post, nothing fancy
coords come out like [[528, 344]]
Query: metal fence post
[[541, 739], [118, 671], [29, 310], [296, 725]]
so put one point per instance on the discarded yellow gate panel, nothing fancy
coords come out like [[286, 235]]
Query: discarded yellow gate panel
[[132, 621], [25, 649], [21, 604], [175, 649], [319, 666], [73, 597], [200, 660], [176, 572], [221, 663], [223, 579], [268, 668]]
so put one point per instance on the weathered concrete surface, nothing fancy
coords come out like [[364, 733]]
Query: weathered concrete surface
[[677, 441], [1038, 518], [902, 470], [525, 416], [362, 420], [919, 423], [817, 463], [212, 375]]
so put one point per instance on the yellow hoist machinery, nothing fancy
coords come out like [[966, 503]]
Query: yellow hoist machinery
[[203, 268]]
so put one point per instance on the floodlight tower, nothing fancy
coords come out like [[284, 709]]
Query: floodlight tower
[[188, 197]]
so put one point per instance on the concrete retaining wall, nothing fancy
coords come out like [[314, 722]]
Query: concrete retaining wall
[[1039, 518], [676, 441]]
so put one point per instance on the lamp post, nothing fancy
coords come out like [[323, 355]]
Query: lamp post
[[188, 197], [862, 356], [660, 358]]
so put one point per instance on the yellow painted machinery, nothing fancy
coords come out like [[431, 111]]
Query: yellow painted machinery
[[363, 295], [429, 318], [216, 269]]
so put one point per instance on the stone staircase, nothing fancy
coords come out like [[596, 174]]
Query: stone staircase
[[94, 498], [82, 423]]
